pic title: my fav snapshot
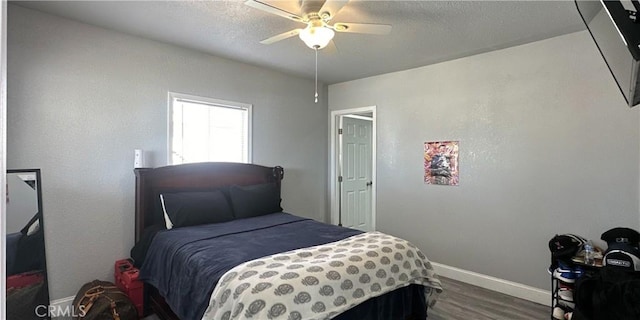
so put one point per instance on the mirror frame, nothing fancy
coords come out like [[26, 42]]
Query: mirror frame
[[40, 215]]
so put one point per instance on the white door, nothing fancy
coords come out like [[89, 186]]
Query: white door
[[356, 185]]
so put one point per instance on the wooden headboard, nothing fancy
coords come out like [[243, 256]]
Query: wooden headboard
[[191, 177]]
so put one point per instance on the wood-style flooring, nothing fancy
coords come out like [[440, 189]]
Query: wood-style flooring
[[461, 301]]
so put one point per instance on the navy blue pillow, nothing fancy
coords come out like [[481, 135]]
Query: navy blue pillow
[[255, 200], [195, 208]]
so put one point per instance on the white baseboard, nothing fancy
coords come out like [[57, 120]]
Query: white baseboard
[[62, 304], [496, 284]]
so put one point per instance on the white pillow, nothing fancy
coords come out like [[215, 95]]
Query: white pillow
[[167, 220]]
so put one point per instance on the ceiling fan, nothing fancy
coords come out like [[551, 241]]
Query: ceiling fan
[[317, 15]]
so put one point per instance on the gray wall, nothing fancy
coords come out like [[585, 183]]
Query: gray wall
[[547, 145], [81, 99]]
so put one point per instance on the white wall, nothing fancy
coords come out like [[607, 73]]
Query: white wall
[[81, 99], [22, 203], [547, 145]]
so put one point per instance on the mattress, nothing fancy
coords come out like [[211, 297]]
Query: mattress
[[185, 264]]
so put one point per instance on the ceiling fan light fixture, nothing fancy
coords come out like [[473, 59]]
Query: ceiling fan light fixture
[[316, 37]]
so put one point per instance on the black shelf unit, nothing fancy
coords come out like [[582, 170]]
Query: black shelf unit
[[555, 283]]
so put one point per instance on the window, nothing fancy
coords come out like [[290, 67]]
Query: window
[[204, 129]]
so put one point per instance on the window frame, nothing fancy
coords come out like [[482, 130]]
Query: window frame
[[173, 96]]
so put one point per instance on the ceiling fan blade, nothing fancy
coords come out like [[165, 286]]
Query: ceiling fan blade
[[281, 36], [331, 8], [368, 28], [273, 10]]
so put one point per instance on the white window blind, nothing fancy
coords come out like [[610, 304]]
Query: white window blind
[[203, 129]]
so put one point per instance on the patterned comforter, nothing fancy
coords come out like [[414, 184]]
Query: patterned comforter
[[322, 281]]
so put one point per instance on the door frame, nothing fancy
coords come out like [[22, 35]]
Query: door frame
[[3, 157], [334, 160]]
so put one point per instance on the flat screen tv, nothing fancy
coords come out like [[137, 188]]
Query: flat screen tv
[[614, 29]]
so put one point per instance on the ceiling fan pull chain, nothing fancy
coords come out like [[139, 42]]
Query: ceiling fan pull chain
[[316, 50]]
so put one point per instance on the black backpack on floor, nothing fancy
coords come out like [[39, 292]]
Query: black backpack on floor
[[614, 291], [608, 294]]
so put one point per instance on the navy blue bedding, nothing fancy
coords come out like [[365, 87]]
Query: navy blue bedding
[[185, 264]]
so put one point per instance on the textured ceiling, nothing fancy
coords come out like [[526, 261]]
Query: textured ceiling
[[424, 32]]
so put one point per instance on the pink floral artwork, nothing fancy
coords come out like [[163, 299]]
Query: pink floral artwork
[[441, 163]]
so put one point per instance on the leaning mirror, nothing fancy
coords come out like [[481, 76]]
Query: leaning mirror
[[27, 289]]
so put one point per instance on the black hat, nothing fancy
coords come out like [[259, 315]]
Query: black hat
[[621, 235], [565, 245]]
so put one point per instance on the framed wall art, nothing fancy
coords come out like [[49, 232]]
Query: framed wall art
[[441, 163]]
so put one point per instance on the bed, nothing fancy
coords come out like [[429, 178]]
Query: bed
[[192, 271]]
